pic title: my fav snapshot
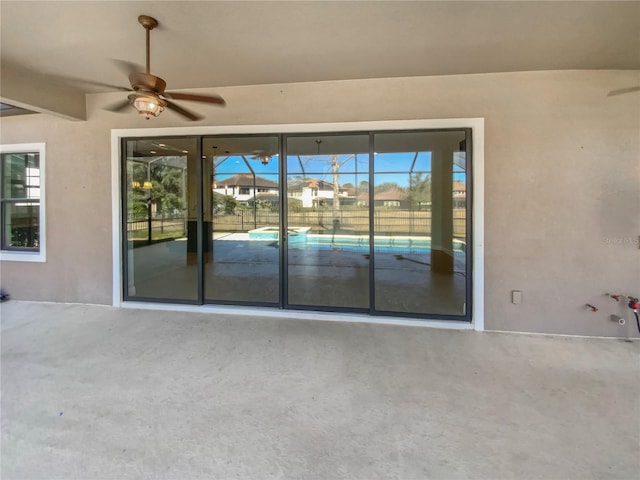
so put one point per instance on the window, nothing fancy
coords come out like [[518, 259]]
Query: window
[[22, 202]]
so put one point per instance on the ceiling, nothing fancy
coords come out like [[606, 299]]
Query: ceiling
[[216, 44]]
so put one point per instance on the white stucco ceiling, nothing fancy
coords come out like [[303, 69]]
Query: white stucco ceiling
[[215, 44]]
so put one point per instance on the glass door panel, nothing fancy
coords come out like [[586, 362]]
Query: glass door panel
[[328, 243], [419, 202], [242, 219], [161, 205]]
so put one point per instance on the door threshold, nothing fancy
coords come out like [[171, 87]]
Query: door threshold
[[269, 312]]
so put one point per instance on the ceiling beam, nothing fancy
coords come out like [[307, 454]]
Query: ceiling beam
[[33, 91]]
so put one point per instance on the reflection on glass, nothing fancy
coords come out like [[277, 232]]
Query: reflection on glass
[[20, 192], [328, 221], [21, 225], [419, 196], [161, 223], [21, 175], [242, 219]]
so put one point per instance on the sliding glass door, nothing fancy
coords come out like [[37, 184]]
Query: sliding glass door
[[327, 228], [372, 222], [242, 219], [160, 219], [420, 234]]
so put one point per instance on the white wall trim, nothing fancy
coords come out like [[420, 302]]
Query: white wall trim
[[116, 219], [476, 125], [41, 255], [477, 197]]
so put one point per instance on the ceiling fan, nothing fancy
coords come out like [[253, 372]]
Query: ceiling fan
[[263, 157], [149, 97]]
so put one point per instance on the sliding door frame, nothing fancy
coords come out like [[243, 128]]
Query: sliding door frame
[[475, 201]]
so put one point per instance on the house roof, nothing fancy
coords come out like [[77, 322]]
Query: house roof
[[392, 194], [459, 187], [245, 180], [44, 43], [311, 183]]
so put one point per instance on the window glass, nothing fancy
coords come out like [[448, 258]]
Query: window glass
[[20, 197], [161, 218], [328, 249], [241, 219], [372, 222], [420, 212]]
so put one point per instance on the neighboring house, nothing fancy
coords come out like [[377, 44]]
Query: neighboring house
[[459, 194], [243, 187], [392, 198], [396, 198], [314, 192]]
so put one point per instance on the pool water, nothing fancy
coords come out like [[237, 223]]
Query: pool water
[[360, 243], [300, 238]]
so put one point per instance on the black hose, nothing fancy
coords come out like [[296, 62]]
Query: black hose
[[637, 320]]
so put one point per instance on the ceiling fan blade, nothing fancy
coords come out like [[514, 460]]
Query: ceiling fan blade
[[104, 85], [119, 107], [215, 99], [186, 113], [622, 91], [84, 84], [127, 67]]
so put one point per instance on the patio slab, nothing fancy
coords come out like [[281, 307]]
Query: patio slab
[[94, 392]]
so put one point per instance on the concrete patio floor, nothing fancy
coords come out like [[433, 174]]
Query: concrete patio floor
[[92, 392]]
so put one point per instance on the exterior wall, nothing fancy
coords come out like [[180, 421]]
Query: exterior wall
[[562, 184]]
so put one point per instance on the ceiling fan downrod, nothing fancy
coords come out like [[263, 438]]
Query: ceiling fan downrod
[[149, 23]]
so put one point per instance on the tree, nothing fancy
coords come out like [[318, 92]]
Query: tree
[[383, 187], [167, 192], [335, 169], [294, 205], [363, 187], [137, 199], [419, 190], [230, 204]]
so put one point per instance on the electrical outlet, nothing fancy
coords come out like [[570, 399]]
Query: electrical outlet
[[516, 297]]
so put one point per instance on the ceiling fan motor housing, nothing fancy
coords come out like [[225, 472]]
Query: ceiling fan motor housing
[[147, 83]]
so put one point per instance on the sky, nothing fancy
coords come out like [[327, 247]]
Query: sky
[[388, 167]]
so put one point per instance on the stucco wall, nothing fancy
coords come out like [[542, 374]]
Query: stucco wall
[[562, 186]]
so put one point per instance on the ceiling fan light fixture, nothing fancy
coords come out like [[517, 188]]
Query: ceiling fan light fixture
[[148, 106]]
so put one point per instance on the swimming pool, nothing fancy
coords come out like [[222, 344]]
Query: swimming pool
[[300, 238]]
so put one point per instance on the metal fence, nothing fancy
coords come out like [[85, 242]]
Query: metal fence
[[390, 221], [158, 229]]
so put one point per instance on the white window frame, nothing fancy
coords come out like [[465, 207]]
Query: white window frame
[[41, 255]]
